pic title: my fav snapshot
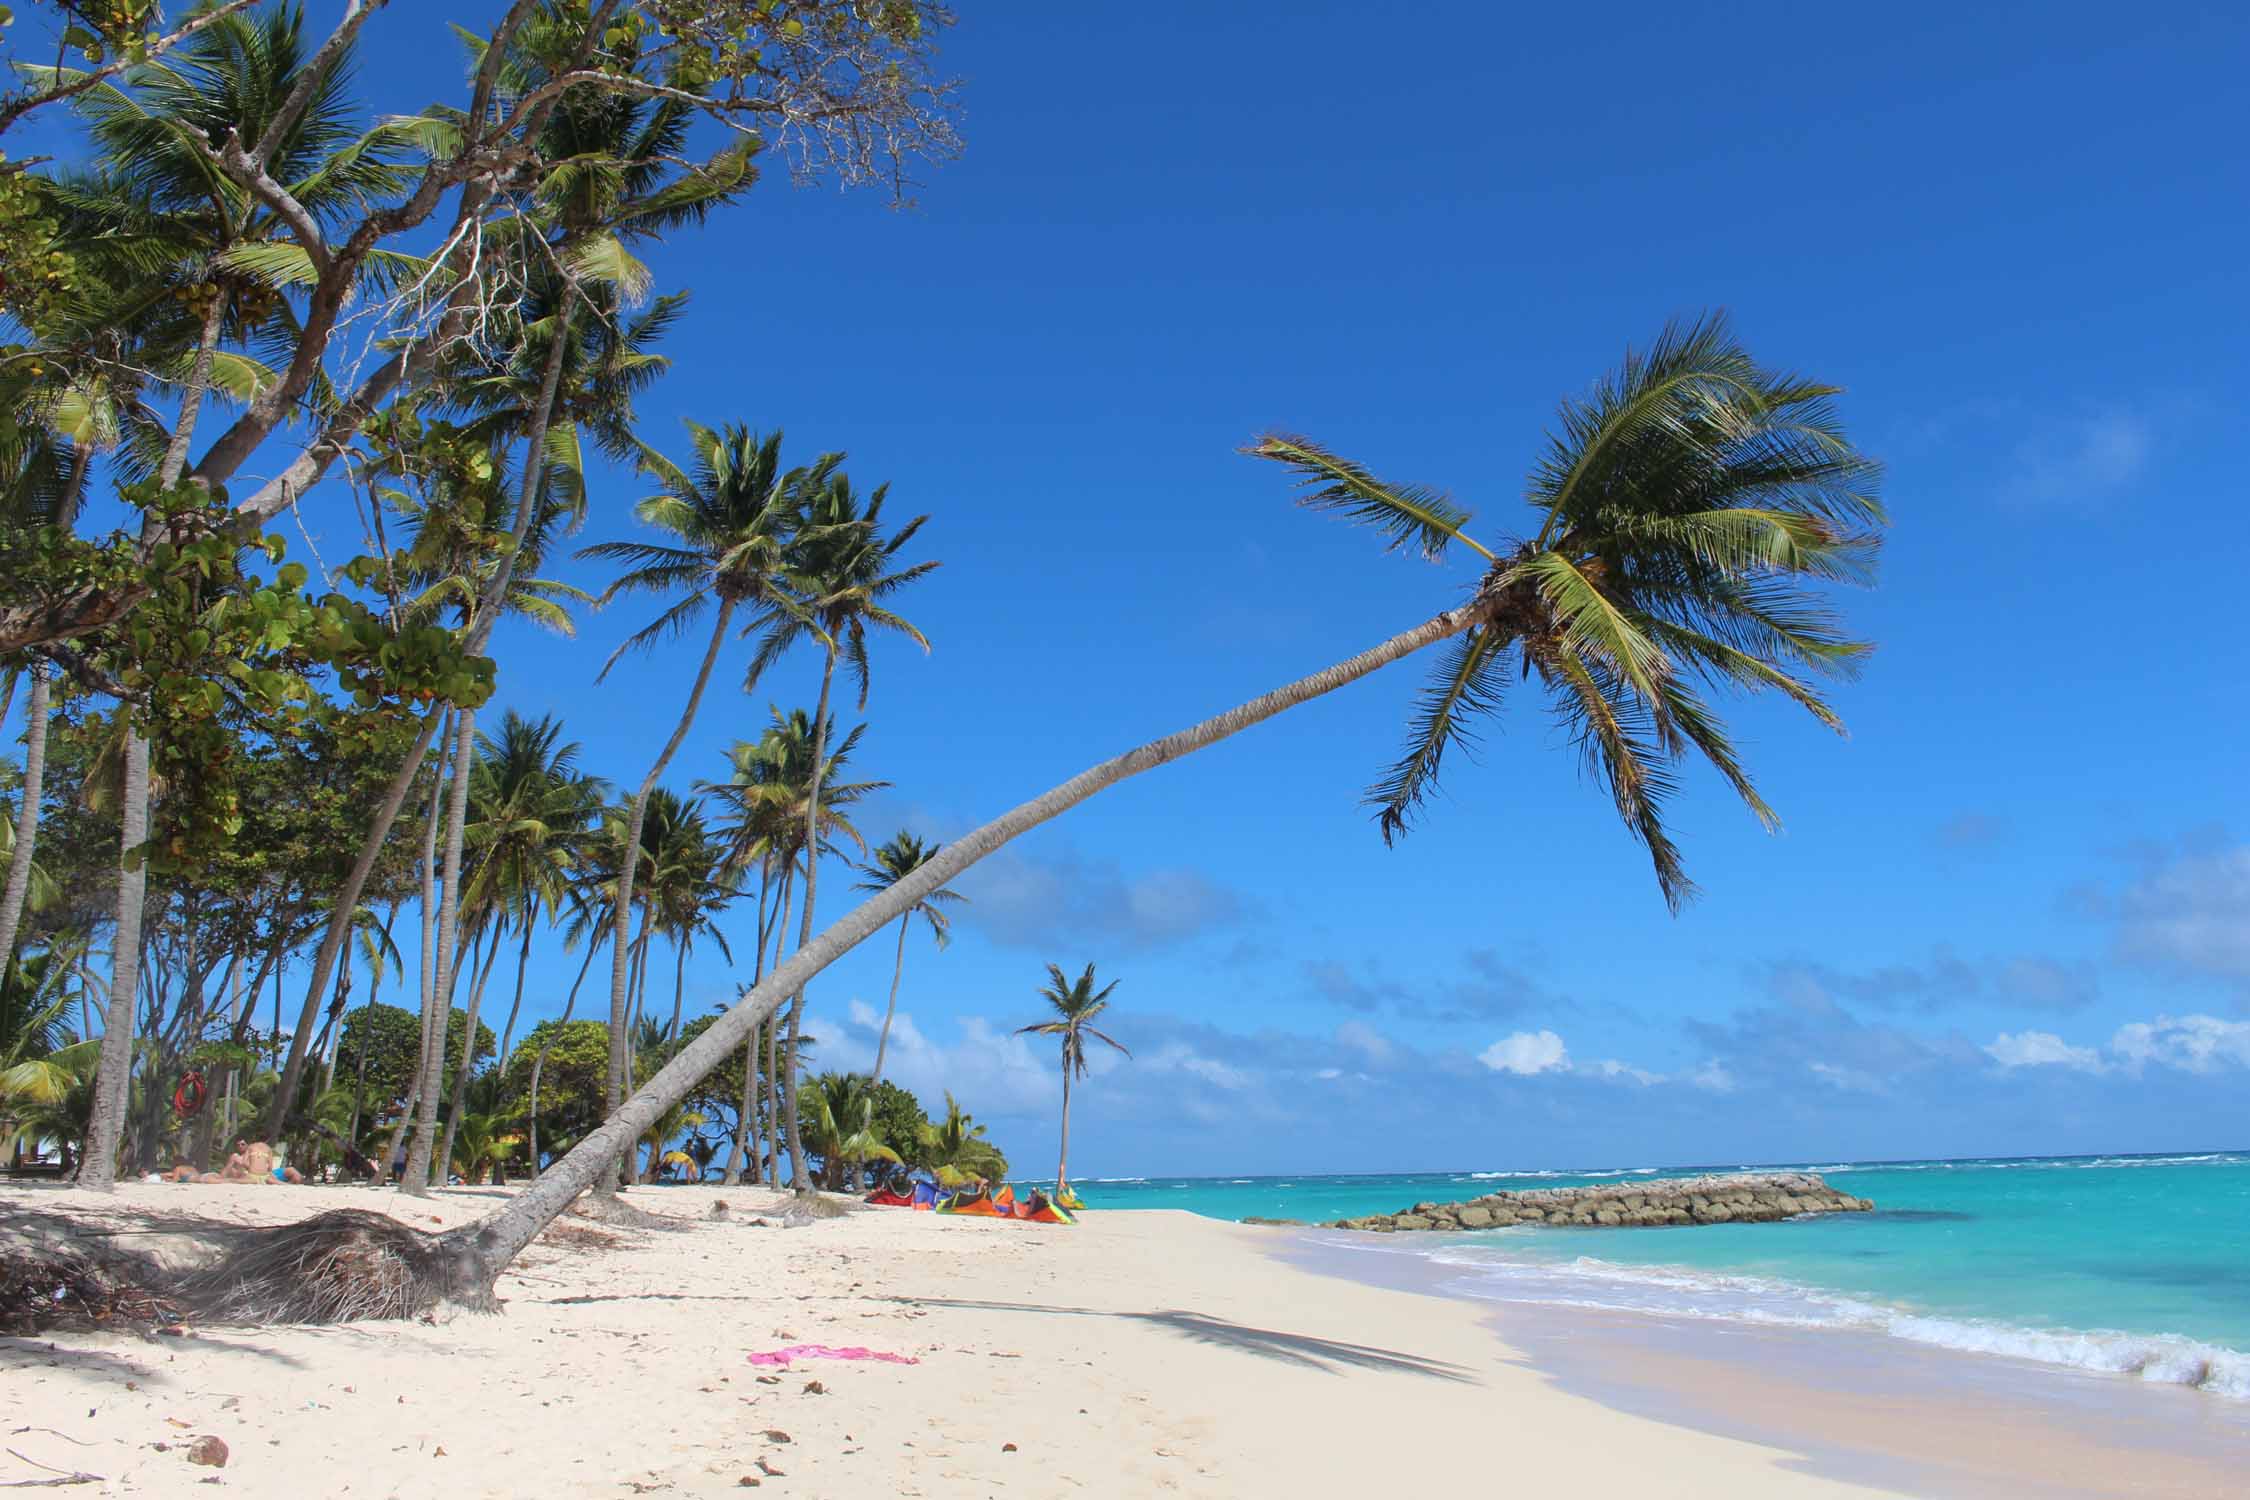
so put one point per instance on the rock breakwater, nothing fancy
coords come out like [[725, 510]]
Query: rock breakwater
[[1748, 1199]]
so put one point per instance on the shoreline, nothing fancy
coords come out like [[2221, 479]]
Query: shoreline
[[1857, 1405], [1150, 1352]]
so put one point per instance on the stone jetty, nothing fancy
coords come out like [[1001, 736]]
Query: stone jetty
[[1751, 1198]]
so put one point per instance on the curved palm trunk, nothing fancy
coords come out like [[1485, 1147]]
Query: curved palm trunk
[[773, 1041], [460, 1092], [331, 1036], [359, 1072], [27, 816], [1062, 1159], [488, 614], [733, 1173], [417, 1180], [515, 1007], [481, 1250], [890, 1009], [613, 1091], [797, 1177], [113, 1083], [539, 1059]]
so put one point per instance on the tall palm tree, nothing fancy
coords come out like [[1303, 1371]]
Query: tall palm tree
[[847, 571], [893, 862], [1682, 520], [1077, 1005], [731, 517]]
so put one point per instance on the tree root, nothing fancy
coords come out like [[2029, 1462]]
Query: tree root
[[623, 1215], [338, 1267]]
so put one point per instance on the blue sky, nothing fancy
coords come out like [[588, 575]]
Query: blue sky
[[2010, 914]]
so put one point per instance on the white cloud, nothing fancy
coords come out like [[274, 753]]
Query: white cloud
[[1610, 1067], [1329, 1074], [1713, 1075], [2080, 461], [2193, 913], [2194, 1044], [1366, 1041], [2041, 1049], [1178, 1057], [1850, 1080], [1526, 1053], [991, 1071]]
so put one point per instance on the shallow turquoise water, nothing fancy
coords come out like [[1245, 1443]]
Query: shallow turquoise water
[[2139, 1264]]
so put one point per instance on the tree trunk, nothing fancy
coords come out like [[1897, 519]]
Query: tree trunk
[[773, 1041], [679, 990], [347, 900], [883, 1038], [483, 1249], [539, 1059], [332, 1034], [613, 1091], [18, 890], [797, 1177], [113, 1084], [735, 1154], [359, 1072], [1062, 1158], [417, 1182], [489, 602], [515, 1006], [468, 1066]]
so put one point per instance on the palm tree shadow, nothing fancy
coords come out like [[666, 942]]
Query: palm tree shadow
[[1304, 1350]]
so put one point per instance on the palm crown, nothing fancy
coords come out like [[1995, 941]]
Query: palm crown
[[1681, 508], [899, 858], [1077, 1004]]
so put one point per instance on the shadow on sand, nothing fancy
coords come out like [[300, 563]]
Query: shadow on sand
[[1302, 1349]]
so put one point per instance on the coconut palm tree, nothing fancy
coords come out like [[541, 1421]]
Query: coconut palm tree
[[955, 1148], [1682, 521], [771, 797], [839, 1125], [893, 862], [1077, 1005], [846, 572], [731, 517]]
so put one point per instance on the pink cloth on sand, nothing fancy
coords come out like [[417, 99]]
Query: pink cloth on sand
[[824, 1351]]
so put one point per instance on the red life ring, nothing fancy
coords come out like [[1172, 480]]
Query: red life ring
[[188, 1098]]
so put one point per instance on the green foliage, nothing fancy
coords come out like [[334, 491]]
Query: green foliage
[[1684, 510], [570, 1083], [393, 1038], [896, 1118]]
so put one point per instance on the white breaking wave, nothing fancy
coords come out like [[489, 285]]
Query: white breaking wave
[[1666, 1291]]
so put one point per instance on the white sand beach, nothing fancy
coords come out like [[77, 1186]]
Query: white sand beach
[[1137, 1353]]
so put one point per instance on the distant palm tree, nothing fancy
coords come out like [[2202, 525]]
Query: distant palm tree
[[732, 519], [839, 1125], [955, 1148], [845, 573], [892, 863], [1076, 1005]]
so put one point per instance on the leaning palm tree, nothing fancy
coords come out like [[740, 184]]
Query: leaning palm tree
[[1077, 1005], [846, 573], [732, 519], [1681, 521], [892, 863]]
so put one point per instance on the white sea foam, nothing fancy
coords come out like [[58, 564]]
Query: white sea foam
[[1671, 1291]]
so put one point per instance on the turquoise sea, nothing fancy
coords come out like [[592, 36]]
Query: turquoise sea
[[2134, 1264]]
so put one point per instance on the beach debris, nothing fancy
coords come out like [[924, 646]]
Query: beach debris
[[824, 1351], [719, 1208], [812, 1388], [1007, 1447], [208, 1451], [63, 1476], [1746, 1198], [776, 1435], [749, 1481], [769, 1470]]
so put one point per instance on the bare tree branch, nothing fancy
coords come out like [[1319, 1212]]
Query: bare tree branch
[[15, 109]]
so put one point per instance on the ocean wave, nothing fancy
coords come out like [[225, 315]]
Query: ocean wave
[[1679, 1292]]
